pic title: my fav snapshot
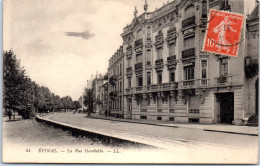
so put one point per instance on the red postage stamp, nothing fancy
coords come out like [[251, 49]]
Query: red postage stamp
[[223, 33]]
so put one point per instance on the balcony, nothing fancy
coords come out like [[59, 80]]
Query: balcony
[[113, 95], [189, 53], [223, 80], [159, 63], [171, 62], [188, 83], [139, 43], [139, 89], [194, 111], [189, 21], [172, 30], [129, 71], [139, 66], [251, 67], [113, 79]]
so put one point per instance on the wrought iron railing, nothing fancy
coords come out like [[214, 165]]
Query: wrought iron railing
[[188, 21], [139, 66], [188, 53]]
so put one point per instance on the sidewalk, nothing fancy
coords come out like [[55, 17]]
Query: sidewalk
[[225, 128]]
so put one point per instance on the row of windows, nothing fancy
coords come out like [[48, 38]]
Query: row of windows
[[188, 73], [193, 104]]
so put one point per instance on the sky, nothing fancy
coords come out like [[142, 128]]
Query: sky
[[62, 42]]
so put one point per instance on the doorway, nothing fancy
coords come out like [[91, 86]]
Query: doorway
[[129, 109], [225, 108]]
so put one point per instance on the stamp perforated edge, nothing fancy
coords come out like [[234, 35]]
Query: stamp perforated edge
[[239, 39]]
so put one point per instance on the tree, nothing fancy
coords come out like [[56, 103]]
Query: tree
[[88, 99]]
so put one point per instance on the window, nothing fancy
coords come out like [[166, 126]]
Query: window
[[189, 43], [148, 78], [171, 118], [159, 104], [159, 53], [189, 72], [194, 105], [171, 104], [159, 118], [138, 58], [148, 56], [194, 120], [129, 83], [148, 33], [204, 69], [172, 76], [223, 67], [139, 81], [139, 34], [143, 117], [190, 11], [159, 78], [144, 105], [129, 62], [172, 50], [120, 85], [204, 9], [120, 69], [172, 23]]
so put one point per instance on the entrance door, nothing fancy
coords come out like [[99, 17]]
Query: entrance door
[[129, 109], [226, 107]]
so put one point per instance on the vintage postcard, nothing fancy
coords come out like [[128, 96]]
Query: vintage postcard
[[130, 81]]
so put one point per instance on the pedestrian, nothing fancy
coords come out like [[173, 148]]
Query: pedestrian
[[9, 114], [106, 113]]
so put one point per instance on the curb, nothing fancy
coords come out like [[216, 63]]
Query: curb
[[220, 131], [230, 132], [77, 131], [152, 124]]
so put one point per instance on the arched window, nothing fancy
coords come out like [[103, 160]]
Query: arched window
[[139, 34], [190, 11]]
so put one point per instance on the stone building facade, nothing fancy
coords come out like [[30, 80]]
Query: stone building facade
[[96, 84], [166, 76], [116, 82]]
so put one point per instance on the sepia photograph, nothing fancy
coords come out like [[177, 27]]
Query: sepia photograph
[[130, 81]]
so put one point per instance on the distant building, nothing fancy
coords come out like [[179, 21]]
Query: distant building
[[116, 84], [103, 95], [96, 84]]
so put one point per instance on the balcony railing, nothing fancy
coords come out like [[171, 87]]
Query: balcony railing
[[159, 62], [171, 110], [223, 80], [188, 83], [171, 59], [127, 90], [194, 111], [129, 69], [171, 30], [139, 89], [139, 66], [188, 21], [139, 43], [189, 53], [113, 79]]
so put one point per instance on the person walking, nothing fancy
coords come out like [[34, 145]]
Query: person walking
[[9, 114]]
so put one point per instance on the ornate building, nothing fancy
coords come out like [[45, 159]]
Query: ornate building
[[115, 87], [167, 76]]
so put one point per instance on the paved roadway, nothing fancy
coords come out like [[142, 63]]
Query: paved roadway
[[225, 147]]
